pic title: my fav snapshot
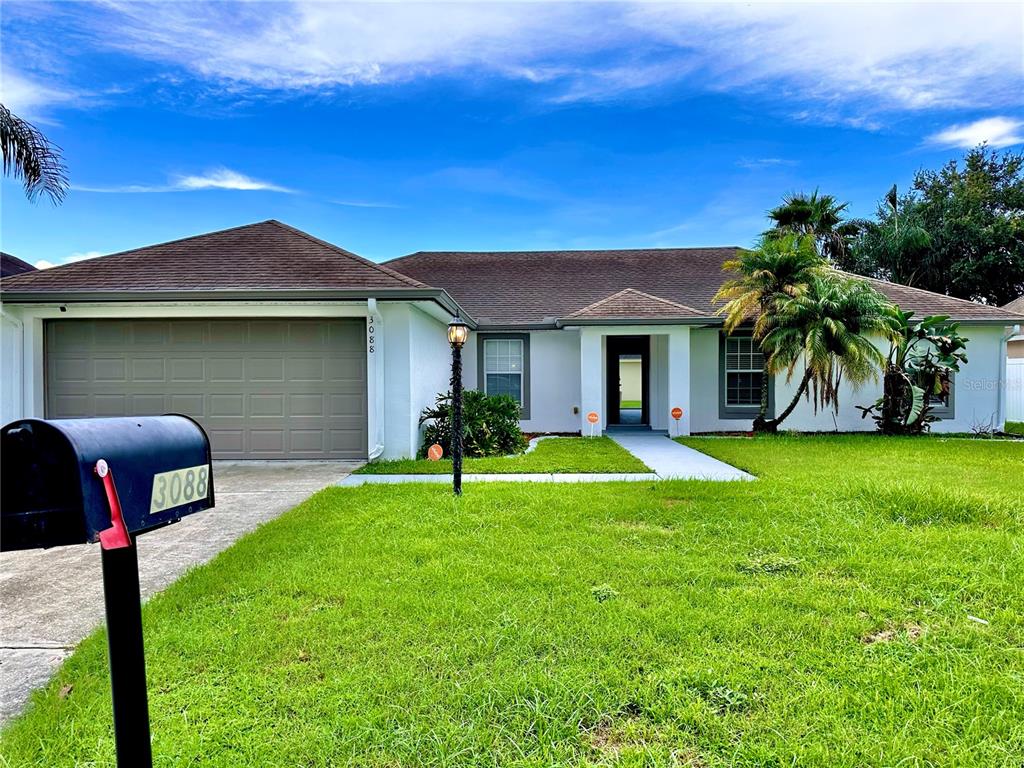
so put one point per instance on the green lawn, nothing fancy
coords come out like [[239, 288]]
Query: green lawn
[[630, 404], [820, 616], [1015, 427], [556, 454]]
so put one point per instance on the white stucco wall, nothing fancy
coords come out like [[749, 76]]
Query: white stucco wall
[[669, 373], [417, 364], [976, 390], [431, 365], [11, 353], [554, 379]]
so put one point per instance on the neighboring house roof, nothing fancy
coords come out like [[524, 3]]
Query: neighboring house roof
[[1017, 305], [267, 256], [541, 288], [631, 304], [12, 265]]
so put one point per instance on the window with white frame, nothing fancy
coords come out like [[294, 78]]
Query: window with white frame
[[503, 368], [744, 368]]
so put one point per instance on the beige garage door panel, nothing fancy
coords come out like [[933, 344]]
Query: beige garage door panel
[[263, 389]]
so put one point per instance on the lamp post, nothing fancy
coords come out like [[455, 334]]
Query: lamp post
[[458, 332]]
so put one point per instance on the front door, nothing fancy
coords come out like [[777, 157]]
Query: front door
[[627, 376]]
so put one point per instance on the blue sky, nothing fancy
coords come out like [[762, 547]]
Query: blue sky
[[391, 128]]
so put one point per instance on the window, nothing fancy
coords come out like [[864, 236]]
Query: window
[[741, 371], [503, 367], [941, 404]]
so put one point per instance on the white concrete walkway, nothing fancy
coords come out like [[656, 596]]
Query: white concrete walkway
[[670, 460], [495, 477]]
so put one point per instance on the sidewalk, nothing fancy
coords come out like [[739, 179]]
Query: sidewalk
[[668, 459]]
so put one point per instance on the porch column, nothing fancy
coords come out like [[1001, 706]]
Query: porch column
[[679, 378], [591, 380]]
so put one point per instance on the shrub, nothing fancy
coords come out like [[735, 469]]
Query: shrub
[[490, 425]]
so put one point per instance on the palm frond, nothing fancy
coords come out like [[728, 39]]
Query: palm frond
[[28, 155]]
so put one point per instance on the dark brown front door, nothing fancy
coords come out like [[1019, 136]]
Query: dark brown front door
[[628, 358]]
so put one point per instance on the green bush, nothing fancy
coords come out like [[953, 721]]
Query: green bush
[[490, 425]]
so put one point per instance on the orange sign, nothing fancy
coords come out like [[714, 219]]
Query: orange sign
[[677, 413], [435, 452], [593, 418]]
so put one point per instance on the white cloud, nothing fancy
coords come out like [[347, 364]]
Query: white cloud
[[362, 204], [845, 61], [224, 178], [44, 264], [31, 99], [762, 163], [216, 178], [995, 131]]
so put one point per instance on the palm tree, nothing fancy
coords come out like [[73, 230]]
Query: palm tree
[[827, 329], [31, 157], [780, 268], [819, 216]]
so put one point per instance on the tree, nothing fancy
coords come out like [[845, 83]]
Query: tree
[[894, 247], [827, 329], [959, 231], [31, 157], [780, 268], [818, 216], [922, 359]]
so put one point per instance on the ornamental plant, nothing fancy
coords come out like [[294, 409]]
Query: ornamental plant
[[922, 359], [490, 425]]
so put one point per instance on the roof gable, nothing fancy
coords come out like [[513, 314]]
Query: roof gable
[[266, 256], [631, 304]]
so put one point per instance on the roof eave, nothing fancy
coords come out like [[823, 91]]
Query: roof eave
[[442, 297]]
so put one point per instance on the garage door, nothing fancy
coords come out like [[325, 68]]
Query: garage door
[[263, 389]]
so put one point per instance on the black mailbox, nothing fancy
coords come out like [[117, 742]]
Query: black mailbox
[[66, 481], [72, 481]]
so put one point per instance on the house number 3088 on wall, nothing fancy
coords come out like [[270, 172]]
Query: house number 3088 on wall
[[370, 325]]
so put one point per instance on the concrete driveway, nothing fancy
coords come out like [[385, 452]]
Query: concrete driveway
[[51, 599]]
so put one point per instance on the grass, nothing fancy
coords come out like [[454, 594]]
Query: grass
[[555, 454], [1014, 427], [630, 404], [820, 616]]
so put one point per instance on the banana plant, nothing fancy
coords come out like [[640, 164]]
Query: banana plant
[[922, 358]]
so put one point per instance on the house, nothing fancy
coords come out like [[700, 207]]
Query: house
[[12, 265], [288, 347]]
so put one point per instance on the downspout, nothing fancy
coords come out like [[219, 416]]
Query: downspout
[[1001, 394], [375, 335]]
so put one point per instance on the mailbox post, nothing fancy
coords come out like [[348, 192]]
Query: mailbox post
[[108, 480]]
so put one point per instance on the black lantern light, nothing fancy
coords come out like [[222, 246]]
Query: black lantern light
[[458, 332]]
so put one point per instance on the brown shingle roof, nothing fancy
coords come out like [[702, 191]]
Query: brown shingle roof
[[507, 289], [923, 302], [538, 287], [12, 265], [266, 256], [1017, 305], [631, 304]]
